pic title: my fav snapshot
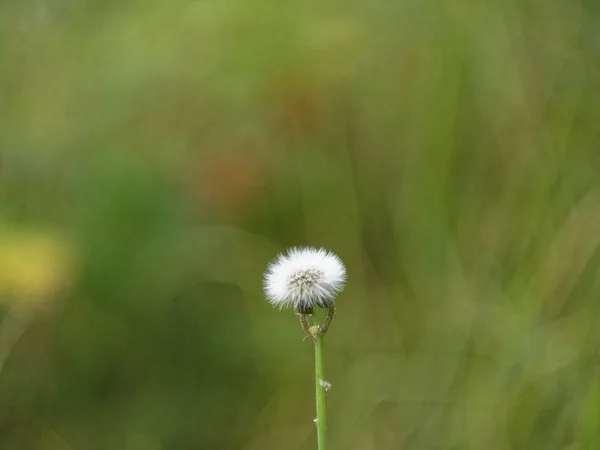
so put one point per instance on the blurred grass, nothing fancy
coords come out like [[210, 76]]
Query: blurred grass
[[156, 155]]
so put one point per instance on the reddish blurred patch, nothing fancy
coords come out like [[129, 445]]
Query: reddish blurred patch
[[299, 105], [230, 179]]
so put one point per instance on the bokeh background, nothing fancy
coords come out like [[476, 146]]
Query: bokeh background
[[156, 155]]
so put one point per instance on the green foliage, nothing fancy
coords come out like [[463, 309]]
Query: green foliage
[[447, 151]]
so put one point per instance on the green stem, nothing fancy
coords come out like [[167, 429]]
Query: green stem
[[320, 393]]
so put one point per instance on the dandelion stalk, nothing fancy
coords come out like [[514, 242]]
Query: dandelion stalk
[[321, 387], [306, 279]]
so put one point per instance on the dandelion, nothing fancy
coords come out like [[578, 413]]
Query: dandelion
[[306, 279]]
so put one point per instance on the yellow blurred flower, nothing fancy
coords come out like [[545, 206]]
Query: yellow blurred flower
[[34, 267]]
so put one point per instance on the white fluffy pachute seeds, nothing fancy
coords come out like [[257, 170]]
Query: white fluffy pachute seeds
[[304, 278]]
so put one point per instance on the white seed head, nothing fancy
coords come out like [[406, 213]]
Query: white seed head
[[304, 278]]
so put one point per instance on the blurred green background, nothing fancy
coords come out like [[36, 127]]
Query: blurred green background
[[155, 156]]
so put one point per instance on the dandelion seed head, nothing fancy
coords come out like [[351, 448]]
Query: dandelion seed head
[[304, 278]]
